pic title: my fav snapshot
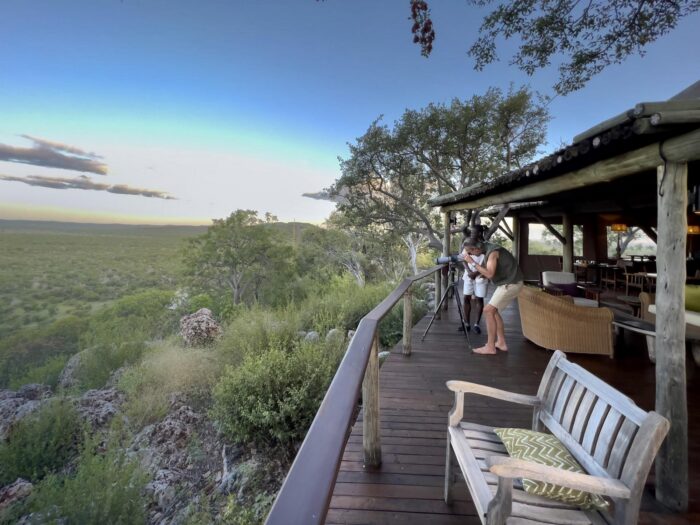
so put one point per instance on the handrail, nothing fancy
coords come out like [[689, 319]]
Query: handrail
[[308, 487]]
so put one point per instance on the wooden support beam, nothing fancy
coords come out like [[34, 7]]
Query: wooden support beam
[[371, 442], [505, 232], [549, 227], [496, 221], [671, 401], [568, 246], [516, 238], [650, 233], [505, 225]]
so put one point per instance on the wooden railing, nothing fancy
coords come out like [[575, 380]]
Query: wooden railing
[[308, 487]]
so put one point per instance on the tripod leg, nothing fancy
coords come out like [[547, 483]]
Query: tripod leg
[[461, 317], [437, 311]]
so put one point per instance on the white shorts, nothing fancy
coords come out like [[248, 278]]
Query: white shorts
[[476, 287]]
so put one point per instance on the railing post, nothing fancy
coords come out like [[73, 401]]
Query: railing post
[[370, 404], [407, 321], [438, 293]]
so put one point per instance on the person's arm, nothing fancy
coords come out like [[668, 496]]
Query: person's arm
[[488, 270]]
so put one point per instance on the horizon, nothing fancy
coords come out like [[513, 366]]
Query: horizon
[[171, 114]]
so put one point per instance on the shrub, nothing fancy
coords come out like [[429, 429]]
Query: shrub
[[166, 369], [106, 488], [46, 374], [98, 363], [271, 399], [134, 318], [41, 442]]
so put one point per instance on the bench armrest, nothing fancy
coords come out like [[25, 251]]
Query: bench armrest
[[474, 388], [463, 387], [507, 467]]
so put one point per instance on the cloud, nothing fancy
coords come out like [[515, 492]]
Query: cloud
[[53, 155], [85, 183]]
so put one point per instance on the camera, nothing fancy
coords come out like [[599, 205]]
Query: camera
[[449, 259]]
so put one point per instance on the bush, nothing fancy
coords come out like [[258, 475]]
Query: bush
[[271, 399], [134, 318], [106, 488], [98, 363], [46, 374], [166, 369], [41, 442]]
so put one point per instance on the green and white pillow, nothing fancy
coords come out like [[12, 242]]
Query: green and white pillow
[[545, 449]]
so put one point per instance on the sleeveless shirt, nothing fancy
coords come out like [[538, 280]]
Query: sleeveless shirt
[[507, 269]]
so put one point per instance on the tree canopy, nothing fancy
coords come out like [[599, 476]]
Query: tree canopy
[[588, 36], [391, 173]]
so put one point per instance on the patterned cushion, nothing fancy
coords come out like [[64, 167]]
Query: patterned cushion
[[545, 449]]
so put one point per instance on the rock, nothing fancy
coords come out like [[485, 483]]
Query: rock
[[351, 334], [199, 328], [15, 492], [334, 335], [301, 334], [311, 336], [383, 356], [98, 407], [15, 406], [68, 378], [34, 392]]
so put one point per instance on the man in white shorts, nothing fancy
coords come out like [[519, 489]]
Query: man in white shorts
[[503, 271], [475, 286]]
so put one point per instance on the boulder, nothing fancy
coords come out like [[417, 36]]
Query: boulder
[[98, 407], [68, 377], [199, 328], [15, 405], [334, 335], [311, 336], [15, 492]]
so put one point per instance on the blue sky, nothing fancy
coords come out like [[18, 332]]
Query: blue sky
[[225, 104]]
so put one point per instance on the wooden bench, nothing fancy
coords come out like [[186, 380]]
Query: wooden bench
[[613, 439]]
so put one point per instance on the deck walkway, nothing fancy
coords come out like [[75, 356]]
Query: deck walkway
[[414, 402]]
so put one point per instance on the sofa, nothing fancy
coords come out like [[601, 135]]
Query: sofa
[[556, 323]]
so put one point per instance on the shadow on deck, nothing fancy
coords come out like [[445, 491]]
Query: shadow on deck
[[414, 402]]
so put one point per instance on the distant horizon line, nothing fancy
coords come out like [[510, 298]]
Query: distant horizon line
[[160, 225]]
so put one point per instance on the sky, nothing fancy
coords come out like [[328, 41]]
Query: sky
[[182, 111]]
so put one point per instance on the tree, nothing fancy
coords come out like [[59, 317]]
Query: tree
[[233, 255], [588, 36], [391, 174]]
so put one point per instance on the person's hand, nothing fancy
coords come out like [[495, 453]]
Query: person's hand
[[468, 258]]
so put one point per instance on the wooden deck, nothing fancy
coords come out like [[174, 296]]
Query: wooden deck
[[407, 488]]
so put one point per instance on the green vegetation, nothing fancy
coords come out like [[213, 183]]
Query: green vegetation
[[105, 488], [51, 270], [40, 443]]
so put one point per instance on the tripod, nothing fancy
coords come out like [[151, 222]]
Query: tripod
[[451, 287]]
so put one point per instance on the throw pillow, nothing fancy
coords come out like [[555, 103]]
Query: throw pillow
[[546, 449], [692, 297], [568, 288]]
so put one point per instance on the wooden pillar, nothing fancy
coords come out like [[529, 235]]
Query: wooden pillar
[[371, 442], [671, 402], [446, 251], [407, 321], [516, 238], [568, 255]]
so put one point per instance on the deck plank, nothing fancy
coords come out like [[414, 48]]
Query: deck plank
[[414, 403]]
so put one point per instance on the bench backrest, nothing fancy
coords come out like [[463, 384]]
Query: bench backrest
[[607, 433]]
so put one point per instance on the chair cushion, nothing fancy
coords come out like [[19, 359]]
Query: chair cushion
[[692, 297], [546, 449], [550, 277]]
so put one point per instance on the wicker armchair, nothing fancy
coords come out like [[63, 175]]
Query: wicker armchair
[[556, 323]]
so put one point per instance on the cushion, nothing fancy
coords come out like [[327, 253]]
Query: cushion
[[546, 449], [568, 288], [692, 297]]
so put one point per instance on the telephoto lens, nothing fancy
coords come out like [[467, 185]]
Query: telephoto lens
[[449, 259]]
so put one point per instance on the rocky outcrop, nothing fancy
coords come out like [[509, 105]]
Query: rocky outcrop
[[98, 407], [199, 328], [68, 377], [15, 405], [15, 492]]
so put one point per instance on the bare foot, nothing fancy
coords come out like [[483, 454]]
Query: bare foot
[[502, 347], [485, 350]]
